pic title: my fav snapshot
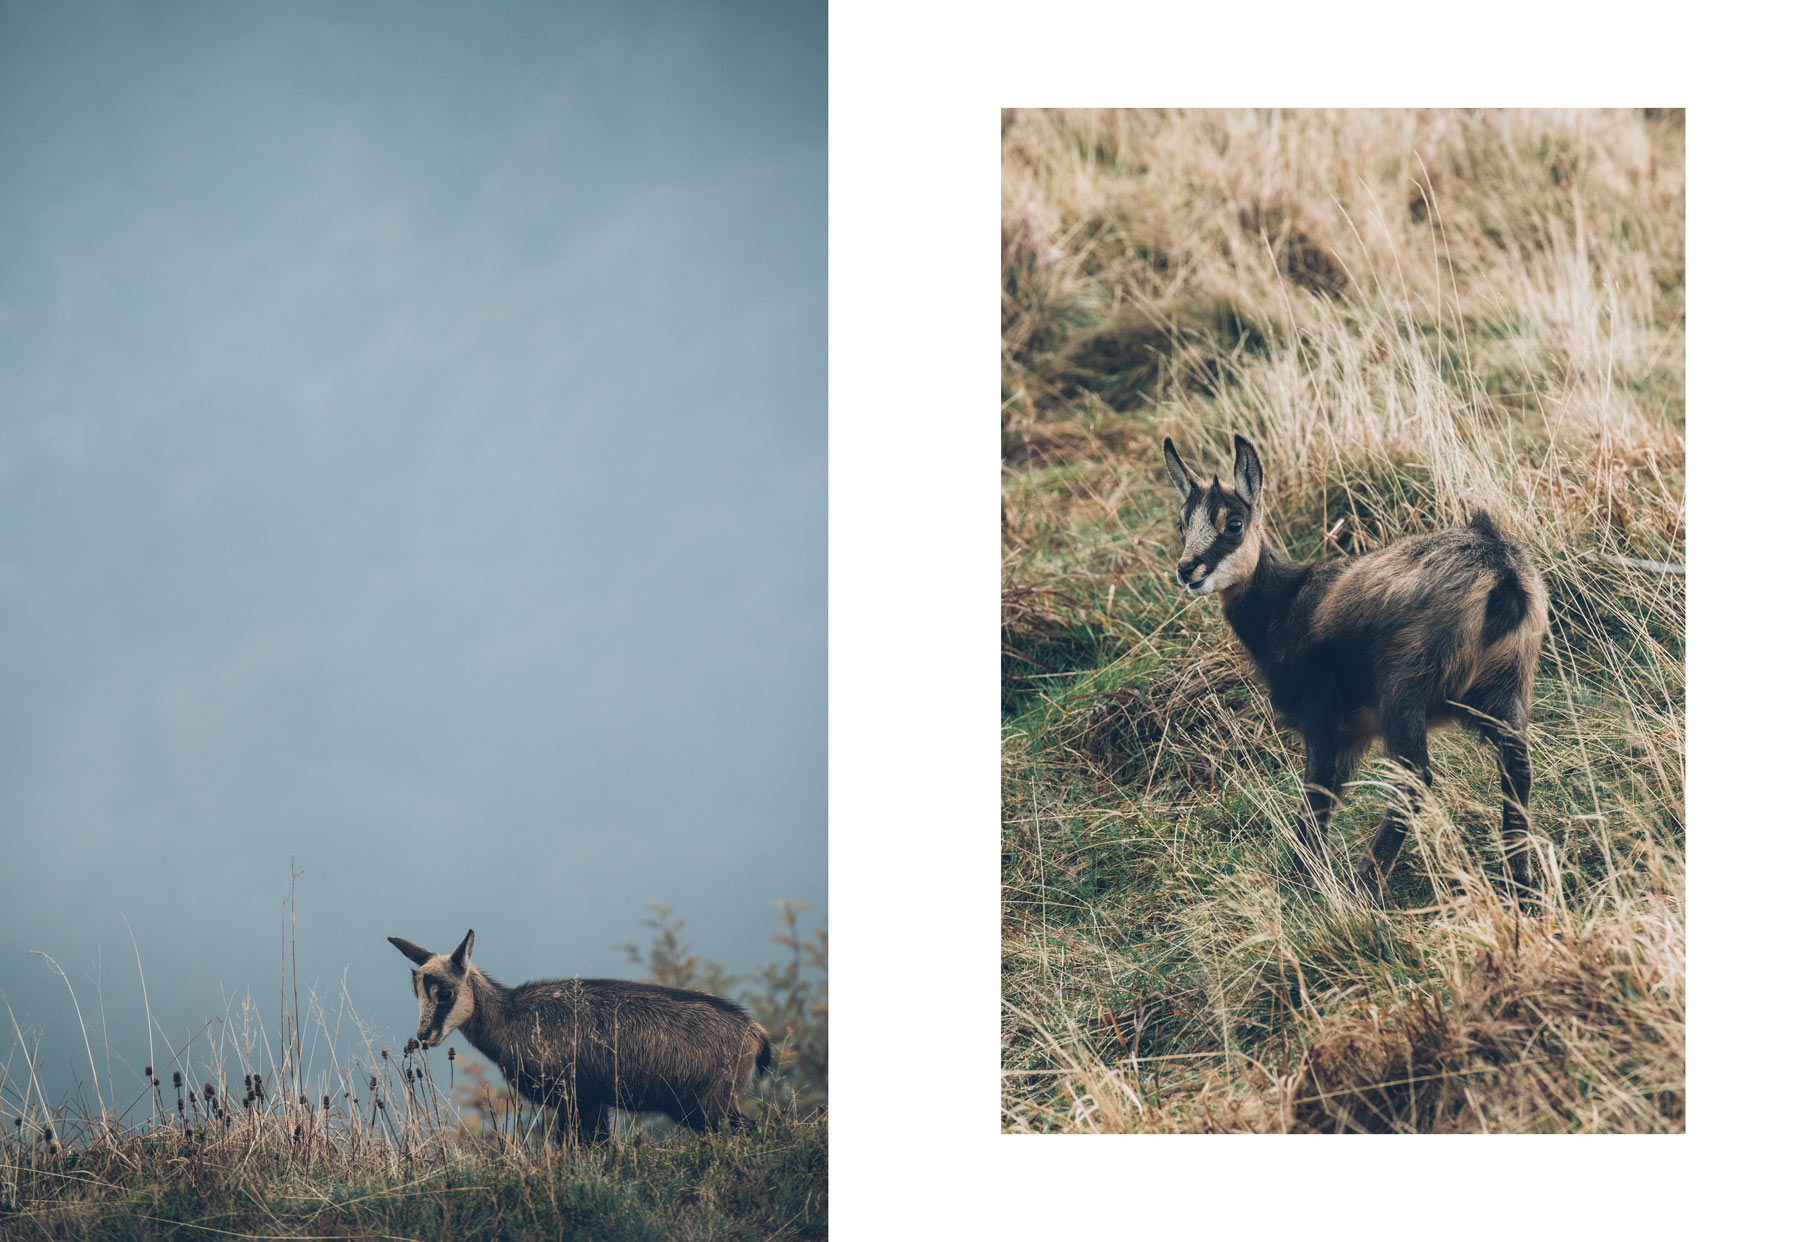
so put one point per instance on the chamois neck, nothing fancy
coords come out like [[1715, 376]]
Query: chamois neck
[[1271, 553], [488, 1018], [1275, 575], [1260, 604]]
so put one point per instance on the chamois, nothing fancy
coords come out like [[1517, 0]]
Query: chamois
[[1391, 643], [581, 1046]]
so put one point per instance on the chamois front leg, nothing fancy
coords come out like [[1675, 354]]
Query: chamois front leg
[[1325, 777], [1403, 732], [595, 1123]]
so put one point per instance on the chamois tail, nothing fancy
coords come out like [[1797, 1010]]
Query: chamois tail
[[1509, 600]]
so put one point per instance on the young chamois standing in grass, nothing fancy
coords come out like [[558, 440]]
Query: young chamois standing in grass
[[584, 1045], [1389, 644]]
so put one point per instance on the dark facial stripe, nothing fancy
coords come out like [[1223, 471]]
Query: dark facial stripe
[[1210, 502]]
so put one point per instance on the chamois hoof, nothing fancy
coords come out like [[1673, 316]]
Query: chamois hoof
[[1523, 895], [1300, 876], [1369, 881]]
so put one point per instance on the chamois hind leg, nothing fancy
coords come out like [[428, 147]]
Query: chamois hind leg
[[1403, 727], [1504, 726], [714, 1106], [703, 1112]]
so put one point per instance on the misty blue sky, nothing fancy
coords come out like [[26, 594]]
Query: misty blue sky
[[412, 461]]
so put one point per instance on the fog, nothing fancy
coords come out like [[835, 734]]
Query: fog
[[412, 464]]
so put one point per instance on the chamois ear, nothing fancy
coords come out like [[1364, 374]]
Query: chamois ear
[[419, 956], [1185, 480], [1246, 469], [460, 959]]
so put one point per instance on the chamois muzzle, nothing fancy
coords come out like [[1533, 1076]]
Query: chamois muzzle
[[1196, 575]]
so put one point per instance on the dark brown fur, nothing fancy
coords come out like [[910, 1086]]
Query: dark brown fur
[[582, 1046], [1390, 644]]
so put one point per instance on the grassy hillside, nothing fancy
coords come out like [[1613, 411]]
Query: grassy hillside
[[401, 1142], [272, 1177], [1412, 315]]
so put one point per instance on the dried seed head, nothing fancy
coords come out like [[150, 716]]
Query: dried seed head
[[451, 1054], [371, 1082], [384, 1055], [156, 1082], [176, 1079], [148, 1071], [412, 1046], [246, 1082], [207, 1091]]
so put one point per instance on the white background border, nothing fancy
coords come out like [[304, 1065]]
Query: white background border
[[916, 91]]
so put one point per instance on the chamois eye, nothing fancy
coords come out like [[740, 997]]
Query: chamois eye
[[1234, 525]]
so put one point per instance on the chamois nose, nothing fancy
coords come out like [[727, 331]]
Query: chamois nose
[[1185, 568]]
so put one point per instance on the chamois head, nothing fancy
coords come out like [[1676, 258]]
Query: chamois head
[[441, 983], [1221, 527]]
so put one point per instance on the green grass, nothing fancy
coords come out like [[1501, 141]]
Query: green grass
[[260, 1181], [1412, 315]]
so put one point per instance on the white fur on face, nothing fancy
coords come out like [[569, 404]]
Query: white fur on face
[[435, 983], [1201, 534], [1234, 570], [1200, 537]]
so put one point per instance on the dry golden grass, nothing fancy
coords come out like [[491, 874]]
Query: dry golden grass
[[332, 1134], [1413, 315]]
